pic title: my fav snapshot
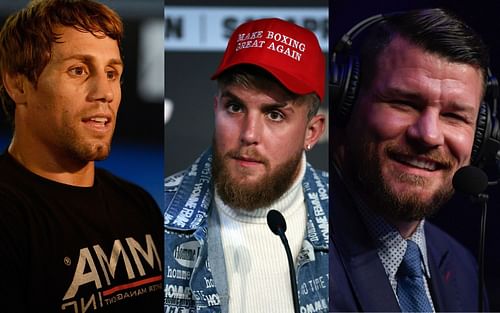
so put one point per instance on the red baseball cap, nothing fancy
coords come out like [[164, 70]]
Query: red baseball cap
[[289, 52]]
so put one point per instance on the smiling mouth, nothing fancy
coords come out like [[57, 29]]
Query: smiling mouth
[[97, 121], [418, 162]]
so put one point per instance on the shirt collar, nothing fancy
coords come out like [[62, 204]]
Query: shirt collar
[[392, 246]]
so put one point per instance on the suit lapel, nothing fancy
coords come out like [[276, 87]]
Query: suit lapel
[[443, 280], [358, 253], [370, 283]]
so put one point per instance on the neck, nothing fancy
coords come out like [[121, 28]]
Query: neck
[[52, 165], [406, 229]]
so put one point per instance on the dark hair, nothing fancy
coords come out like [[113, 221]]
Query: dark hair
[[434, 30], [27, 36], [248, 75]]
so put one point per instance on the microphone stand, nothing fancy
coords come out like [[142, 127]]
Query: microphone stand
[[277, 224], [483, 198], [473, 181], [292, 271]]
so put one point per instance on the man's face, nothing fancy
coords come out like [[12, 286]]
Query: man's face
[[72, 111], [411, 129], [259, 138]]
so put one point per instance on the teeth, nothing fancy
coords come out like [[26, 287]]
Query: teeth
[[431, 166], [99, 119]]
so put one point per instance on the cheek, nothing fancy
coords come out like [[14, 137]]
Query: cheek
[[58, 100], [117, 100], [284, 143], [226, 130], [460, 142], [43, 104], [388, 127]]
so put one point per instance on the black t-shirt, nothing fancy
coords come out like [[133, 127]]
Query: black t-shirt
[[77, 249]]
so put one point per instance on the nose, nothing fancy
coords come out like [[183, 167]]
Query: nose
[[251, 129], [427, 129], [101, 89]]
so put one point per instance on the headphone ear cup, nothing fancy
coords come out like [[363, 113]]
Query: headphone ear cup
[[336, 85], [347, 90], [481, 134]]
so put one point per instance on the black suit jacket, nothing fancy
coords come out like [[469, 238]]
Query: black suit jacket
[[357, 277]]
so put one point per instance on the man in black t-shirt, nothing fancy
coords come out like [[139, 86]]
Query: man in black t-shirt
[[72, 238]]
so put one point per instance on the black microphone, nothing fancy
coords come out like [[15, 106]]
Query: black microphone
[[473, 181], [470, 180], [277, 224]]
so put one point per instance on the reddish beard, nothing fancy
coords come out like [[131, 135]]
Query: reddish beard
[[239, 193], [403, 206]]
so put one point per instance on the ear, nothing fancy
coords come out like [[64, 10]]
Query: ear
[[315, 128], [15, 85]]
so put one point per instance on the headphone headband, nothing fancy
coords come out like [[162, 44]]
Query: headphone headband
[[346, 41]]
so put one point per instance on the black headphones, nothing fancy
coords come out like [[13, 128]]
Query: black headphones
[[344, 87]]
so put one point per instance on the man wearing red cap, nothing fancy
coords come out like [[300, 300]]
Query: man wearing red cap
[[220, 254]]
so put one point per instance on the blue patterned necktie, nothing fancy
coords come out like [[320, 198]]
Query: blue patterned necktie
[[411, 291]]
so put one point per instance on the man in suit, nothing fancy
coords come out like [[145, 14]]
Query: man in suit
[[405, 120]]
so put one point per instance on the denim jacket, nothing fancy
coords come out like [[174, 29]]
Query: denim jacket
[[196, 283]]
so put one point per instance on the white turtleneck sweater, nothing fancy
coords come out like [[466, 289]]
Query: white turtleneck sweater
[[257, 269]]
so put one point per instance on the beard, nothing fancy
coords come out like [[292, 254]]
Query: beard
[[404, 206], [239, 192], [81, 148]]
